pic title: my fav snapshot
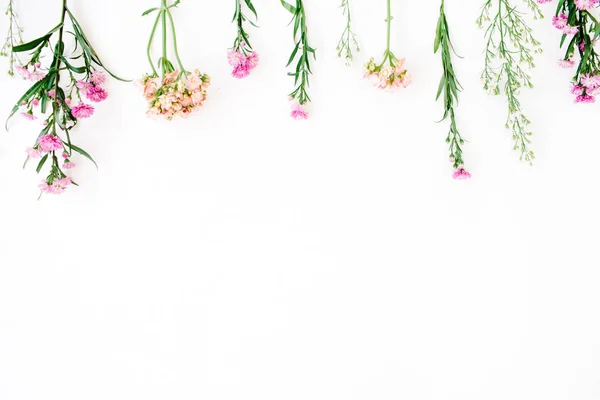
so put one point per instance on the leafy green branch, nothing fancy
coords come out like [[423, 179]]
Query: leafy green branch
[[13, 38], [348, 39], [242, 41], [509, 53], [449, 86], [302, 52]]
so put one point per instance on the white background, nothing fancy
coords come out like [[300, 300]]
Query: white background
[[243, 255]]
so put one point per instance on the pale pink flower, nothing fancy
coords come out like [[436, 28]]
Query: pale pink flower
[[57, 186], [577, 90], [252, 60], [585, 4], [298, 112], [570, 30], [68, 165], [170, 77], [193, 82], [50, 143], [36, 76], [34, 153], [35, 102], [235, 58], [83, 87], [566, 63], [98, 78], [198, 97], [29, 115], [82, 110], [24, 72]]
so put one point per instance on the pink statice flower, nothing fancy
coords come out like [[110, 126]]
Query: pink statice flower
[[461, 173], [50, 142], [82, 110]]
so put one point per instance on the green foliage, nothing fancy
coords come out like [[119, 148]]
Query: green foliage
[[510, 49], [13, 38], [301, 53], [242, 41], [449, 87], [348, 39]]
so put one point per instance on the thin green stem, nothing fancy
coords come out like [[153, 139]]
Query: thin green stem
[[175, 42], [164, 37], [149, 49]]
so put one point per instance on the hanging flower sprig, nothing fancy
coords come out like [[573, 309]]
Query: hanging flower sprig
[[348, 39], [13, 38], [61, 103], [577, 23], [450, 87], [391, 73], [509, 53], [175, 92], [242, 56], [302, 53]]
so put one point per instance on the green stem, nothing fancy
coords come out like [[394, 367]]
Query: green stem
[[163, 11], [389, 30], [149, 49], [175, 42]]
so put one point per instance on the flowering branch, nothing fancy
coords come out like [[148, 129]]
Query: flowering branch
[[48, 93], [242, 57], [177, 92], [450, 87], [348, 39], [302, 51], [392, 75], [13, 38], [574, 18], [509, 52]]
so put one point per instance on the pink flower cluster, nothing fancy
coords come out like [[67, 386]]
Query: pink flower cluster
[[242, 64], [177, 95], [586, 89], [55, 186], [561, 22], [389, 77], [31, 72], [586, 4], [461, 173]]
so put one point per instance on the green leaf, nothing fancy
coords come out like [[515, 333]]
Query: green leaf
[[41, 163], [441, 87], [31, 45], [288, 7], [293, 54], [82, 152], [34, 89], [149, 11], [251, 7]]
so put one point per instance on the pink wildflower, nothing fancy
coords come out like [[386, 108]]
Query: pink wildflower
[[585, 98], [82, 110], [29, 115], [298, 112], [50, 143], [560, 21], [461, 173], [98, 78], [252, 60], [33, 153], [240, 71], [96, 94], [235, 58], [68, 165]]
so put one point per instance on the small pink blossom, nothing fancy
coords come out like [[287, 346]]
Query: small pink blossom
[[68, 165], [461, 173], [252, 60], [560, 21], [585, 98], [566, 63], [585, 4], [35, 102], [98, 78], [235, 58], [240, 71], [57, 186], [29, 115], [298, 112], [34, 153], [82, 110]]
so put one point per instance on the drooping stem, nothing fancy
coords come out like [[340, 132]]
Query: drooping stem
[[149, 49], [163, 12], [175, 42]]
